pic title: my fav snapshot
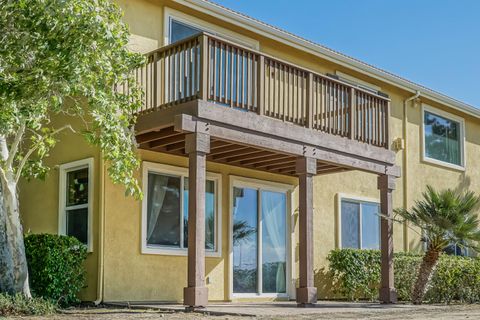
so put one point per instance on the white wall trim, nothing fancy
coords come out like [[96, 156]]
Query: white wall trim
[[183, 173], [449, 116], [195, 22], [353, 198], [237, 181], [62, 218]]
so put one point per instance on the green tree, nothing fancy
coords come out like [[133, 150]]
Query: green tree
[[60, 57], [444, 217]]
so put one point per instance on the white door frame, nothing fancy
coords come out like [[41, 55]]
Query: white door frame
[[236, 181]]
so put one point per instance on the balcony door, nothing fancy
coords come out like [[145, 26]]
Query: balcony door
[[260, 241]]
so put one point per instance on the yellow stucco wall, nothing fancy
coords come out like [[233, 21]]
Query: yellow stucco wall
[[130, 275], [39, 200], [133, 276]]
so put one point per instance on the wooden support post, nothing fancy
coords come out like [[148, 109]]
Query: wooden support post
[[260, 85], [386, 185], [204, 85], [197, 145], [306, 168]]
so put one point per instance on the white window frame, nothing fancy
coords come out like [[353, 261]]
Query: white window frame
[[356, 199], [449, 116], [182, 172], [172, 14], [263, 185], [64, 169]]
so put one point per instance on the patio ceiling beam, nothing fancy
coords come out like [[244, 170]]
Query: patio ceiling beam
[[242, 151], [167, 141], [275, 162], [262, 141], [155, 135], [266, 159]]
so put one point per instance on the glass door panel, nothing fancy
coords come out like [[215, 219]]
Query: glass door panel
[[245, 242], [274, 242]]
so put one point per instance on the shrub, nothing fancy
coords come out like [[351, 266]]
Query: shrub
[[55, 264], [357, 276], [18, 305]]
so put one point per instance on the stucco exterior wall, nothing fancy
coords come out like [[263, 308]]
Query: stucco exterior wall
[[132, 276], [39, 200]]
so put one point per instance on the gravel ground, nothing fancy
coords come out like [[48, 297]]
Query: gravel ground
[[456, 312]]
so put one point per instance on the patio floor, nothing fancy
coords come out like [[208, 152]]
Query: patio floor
[[290, 309]]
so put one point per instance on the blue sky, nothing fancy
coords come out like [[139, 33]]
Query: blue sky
[[435, 43]]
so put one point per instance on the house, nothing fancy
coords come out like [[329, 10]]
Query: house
[[260, 152]]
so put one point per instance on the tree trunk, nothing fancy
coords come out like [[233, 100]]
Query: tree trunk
[[6, 261], [429, 262], [14, 235]]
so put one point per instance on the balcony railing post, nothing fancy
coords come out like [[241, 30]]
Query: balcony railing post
[[203, 87], [260, 85], [309, 101], [352, 116], [386, 128], [155, 82]]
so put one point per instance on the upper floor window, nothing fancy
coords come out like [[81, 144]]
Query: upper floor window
[[180, 31], [443, 138], [76, 200], [165, 210], [360, 224]]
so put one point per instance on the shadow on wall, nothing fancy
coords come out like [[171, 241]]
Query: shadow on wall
[[325, 285]]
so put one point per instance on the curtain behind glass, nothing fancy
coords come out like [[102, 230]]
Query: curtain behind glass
[[163, 208], [273, 242], [442, 139], [350, 215]]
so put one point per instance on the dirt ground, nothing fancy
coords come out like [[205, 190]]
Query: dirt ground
[[455, 312]]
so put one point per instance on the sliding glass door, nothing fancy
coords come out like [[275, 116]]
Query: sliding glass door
[[259, 239]]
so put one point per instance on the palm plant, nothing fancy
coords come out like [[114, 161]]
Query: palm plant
[[444, 218]]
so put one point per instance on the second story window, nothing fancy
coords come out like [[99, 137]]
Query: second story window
[[443, 138], [180, 31], [360, 224]]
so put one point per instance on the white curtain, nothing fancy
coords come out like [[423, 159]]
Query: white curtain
[[273, 216], [157, 188]]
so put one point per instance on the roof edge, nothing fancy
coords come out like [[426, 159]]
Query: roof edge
[[323, 52]]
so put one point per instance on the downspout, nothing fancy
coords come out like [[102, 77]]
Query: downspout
[[405, 165], [101, 232]]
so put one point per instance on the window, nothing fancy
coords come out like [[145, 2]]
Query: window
[[359, 224], [180, 31], [178, 26], [165, 210], [76, 200], [443, 138]]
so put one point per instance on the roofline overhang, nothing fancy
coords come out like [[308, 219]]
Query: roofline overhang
[[323, 52]]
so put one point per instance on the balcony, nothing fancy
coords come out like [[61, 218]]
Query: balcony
[[218, 82]]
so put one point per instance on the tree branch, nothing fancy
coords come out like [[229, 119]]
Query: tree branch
[[33, 149], [15, 144]]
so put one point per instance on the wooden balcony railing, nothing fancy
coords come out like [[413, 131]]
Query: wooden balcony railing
[[207, 67]]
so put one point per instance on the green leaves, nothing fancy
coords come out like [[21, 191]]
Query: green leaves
[[56, 267], [65, 57], [445, 217], [357, 276]]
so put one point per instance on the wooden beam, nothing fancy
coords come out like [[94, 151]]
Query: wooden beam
[[252, 155], [219, 144], [289, 164], [227, 148], [243, 151], [273, 157], [155, 135], [164, 142], [273, 162], [175, 146]]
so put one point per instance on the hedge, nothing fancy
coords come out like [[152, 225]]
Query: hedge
[[356, 274], [56, 267]]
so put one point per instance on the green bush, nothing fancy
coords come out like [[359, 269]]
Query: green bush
[[356, 274], [20, 306], [55, 264]]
